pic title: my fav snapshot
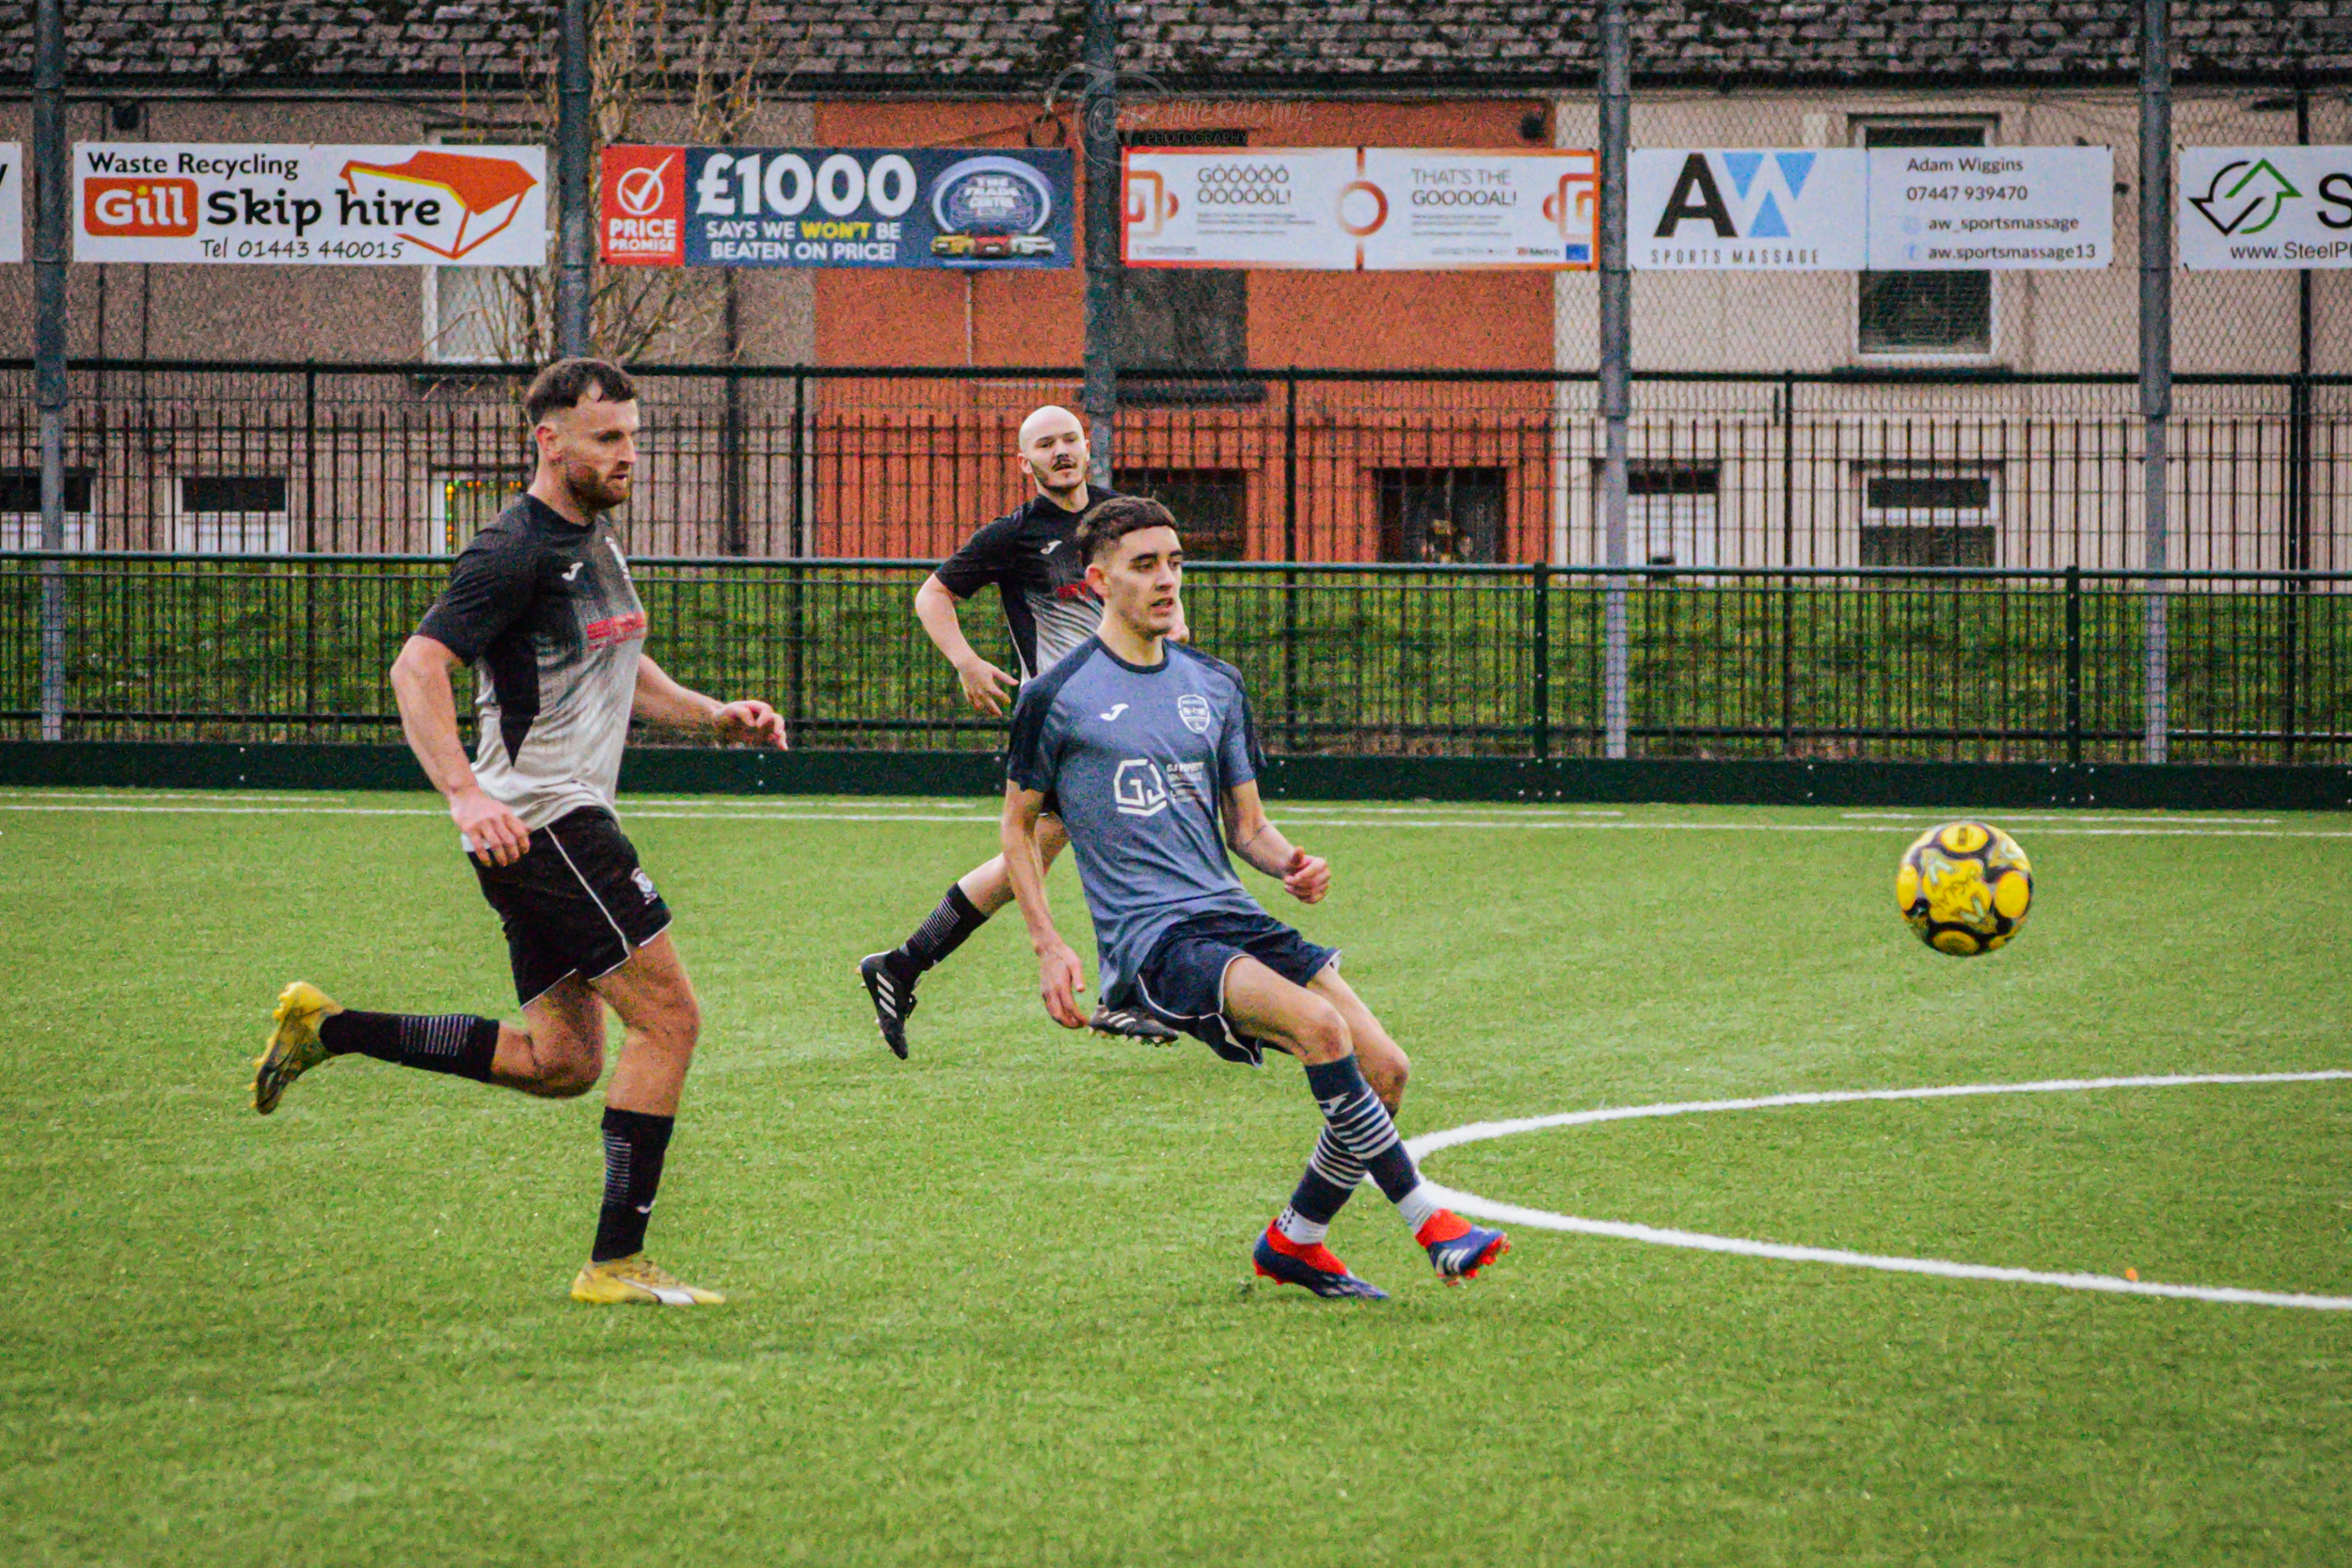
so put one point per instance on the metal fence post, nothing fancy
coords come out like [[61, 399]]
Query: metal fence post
[[1788, 559], [1542, 571], [798, 545], [2156, 347], [1103, 202], [1290, 555], [734, 528], [2074, 664], [572, 326], [49, 259], [1616, 339]]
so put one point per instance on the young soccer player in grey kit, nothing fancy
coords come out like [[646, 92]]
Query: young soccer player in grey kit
[[1148, 747]]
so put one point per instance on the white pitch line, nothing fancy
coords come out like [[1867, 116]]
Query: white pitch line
[[1482, 824], [1544, 1219], [2146, 820]]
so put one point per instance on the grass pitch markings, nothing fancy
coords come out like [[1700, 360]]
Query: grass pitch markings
[[1544, 1219]]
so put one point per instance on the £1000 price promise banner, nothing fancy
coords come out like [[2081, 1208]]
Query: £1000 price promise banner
[[317, 205], [1358, 209]]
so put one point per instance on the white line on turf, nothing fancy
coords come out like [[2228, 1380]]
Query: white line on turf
[[1486, 824], [1543, 1219], [2145, 819]]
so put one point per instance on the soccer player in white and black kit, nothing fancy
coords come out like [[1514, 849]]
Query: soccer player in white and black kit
[[542, 605], [1030, 555]]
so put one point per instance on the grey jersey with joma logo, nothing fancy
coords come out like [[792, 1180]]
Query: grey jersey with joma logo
[[1138, 760], [546, 615]]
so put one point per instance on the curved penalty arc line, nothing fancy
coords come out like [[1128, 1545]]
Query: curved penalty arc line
[[1544, 1219]]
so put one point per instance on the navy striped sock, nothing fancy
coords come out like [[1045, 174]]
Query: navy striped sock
[[1359, 1125], [1329, 1179], [454, 1044]]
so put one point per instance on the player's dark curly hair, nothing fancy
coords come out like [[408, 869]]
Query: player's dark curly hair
[[1109, 521], [563, 384]]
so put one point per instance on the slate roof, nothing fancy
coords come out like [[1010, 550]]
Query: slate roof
[[957, 47]]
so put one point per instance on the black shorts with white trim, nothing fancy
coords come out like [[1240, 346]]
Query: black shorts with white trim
[[576, 903]]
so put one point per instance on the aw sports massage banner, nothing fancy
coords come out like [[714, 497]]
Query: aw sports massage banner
[[836, 206], [1910, 209], [310, 205], [1362, 209]]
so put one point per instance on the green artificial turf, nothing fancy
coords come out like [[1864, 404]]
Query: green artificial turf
[[993, 1305]]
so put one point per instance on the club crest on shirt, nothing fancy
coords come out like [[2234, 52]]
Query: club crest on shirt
[[1193, 708], [1138, 788], [644, 884]]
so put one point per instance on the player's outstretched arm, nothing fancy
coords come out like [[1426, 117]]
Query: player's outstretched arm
[[1059, 975], [1305, 878], [984, 685], [428, 717], [662, 701]]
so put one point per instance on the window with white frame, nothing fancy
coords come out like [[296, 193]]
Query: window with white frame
[[1914, 517], [19, 510], [233, 515], [1670, 513], [1924, 313]]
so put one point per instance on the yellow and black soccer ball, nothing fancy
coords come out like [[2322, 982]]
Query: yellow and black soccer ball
[[1965, 888]]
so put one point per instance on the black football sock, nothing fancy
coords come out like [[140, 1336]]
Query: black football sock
[[635, 1145], [942, 932], [452, 1043]]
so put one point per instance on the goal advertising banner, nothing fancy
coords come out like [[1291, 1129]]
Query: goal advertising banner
[[1913, 209], [12, 201], [970, 208], [2259, 208], [1362, 209], [310, 205]]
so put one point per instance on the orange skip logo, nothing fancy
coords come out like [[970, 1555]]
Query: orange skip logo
[[482, 195]]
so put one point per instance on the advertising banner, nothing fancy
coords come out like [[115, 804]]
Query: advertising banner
[[1991, 209], [1746, 209], [836, 206], [310, 205], [2247, 208], [1362, 209], [12, 201]]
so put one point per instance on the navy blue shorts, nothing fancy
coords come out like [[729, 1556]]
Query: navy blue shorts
[[1183, 982]]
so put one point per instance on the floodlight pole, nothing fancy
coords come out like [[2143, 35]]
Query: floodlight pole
[[1616, 353], [2156, 347], [49, 347], [1100, 112], [572, 268]]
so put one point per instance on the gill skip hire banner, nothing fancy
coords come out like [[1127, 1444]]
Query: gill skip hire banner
[[2245, 208], [1362, 209], [836, 206], [310, 205]]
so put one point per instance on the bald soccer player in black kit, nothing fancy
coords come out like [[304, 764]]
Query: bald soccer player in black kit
[[1031, 557]]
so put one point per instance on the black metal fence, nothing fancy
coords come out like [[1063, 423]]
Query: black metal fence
[[1815, 662], [1728, 469]]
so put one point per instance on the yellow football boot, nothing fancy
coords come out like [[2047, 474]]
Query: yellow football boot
[[293, 1047], [638, 1280]]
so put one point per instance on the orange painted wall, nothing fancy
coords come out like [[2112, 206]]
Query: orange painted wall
[[919, 464]]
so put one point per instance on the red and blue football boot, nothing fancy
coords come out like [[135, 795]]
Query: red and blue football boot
[[1458, 1249], [1279, 1258]]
